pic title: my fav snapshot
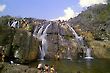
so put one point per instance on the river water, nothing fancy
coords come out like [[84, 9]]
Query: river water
[[84, 66]]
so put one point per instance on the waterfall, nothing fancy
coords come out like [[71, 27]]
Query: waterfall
[[79, 39], [74, 32], [39, 32], [34, 33], [80, 42], [41, 35], [42, 53], [44, 42], [69, 54], [88, 53], [15, 24]]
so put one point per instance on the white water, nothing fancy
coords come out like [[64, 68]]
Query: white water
[[44, 43], [68, 54], [73, 31], [42, 53], [88, 53], [39, 32], [15, 24], [80, 41], [42, 35]]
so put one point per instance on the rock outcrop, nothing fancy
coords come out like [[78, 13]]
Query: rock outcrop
[[12, 68], [19, 44]]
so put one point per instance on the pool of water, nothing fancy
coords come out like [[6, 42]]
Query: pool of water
[[84, 66]]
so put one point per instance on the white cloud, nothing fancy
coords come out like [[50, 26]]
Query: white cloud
[[68, 13], [87, 3], [2, 7]]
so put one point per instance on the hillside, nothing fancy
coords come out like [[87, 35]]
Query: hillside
[[94, 25], [95, 19]]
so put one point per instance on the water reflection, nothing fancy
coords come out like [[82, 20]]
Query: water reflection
[[89, 63], [84, 66]]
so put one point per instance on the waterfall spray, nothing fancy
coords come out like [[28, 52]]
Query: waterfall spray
[[42, 35]]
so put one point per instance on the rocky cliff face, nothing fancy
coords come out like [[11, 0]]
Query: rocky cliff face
[[19, 44], [26, 45], [60, 38]]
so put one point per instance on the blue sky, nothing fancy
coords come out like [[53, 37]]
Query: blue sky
[[43, 9]]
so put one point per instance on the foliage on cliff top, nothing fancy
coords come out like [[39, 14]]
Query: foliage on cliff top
[[95, 19]]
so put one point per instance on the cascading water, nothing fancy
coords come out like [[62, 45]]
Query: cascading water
[[68, 54], [39, 32], [88, 53], [15, 24], [79, 39], [80, 42], [35, 30], [41, 35]]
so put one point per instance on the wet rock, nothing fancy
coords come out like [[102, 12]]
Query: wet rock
[[59, 40]]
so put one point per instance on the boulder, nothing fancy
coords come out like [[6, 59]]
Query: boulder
[[25, 45]]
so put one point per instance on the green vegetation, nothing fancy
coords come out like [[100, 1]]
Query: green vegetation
[[96, 19], [95, 25]]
